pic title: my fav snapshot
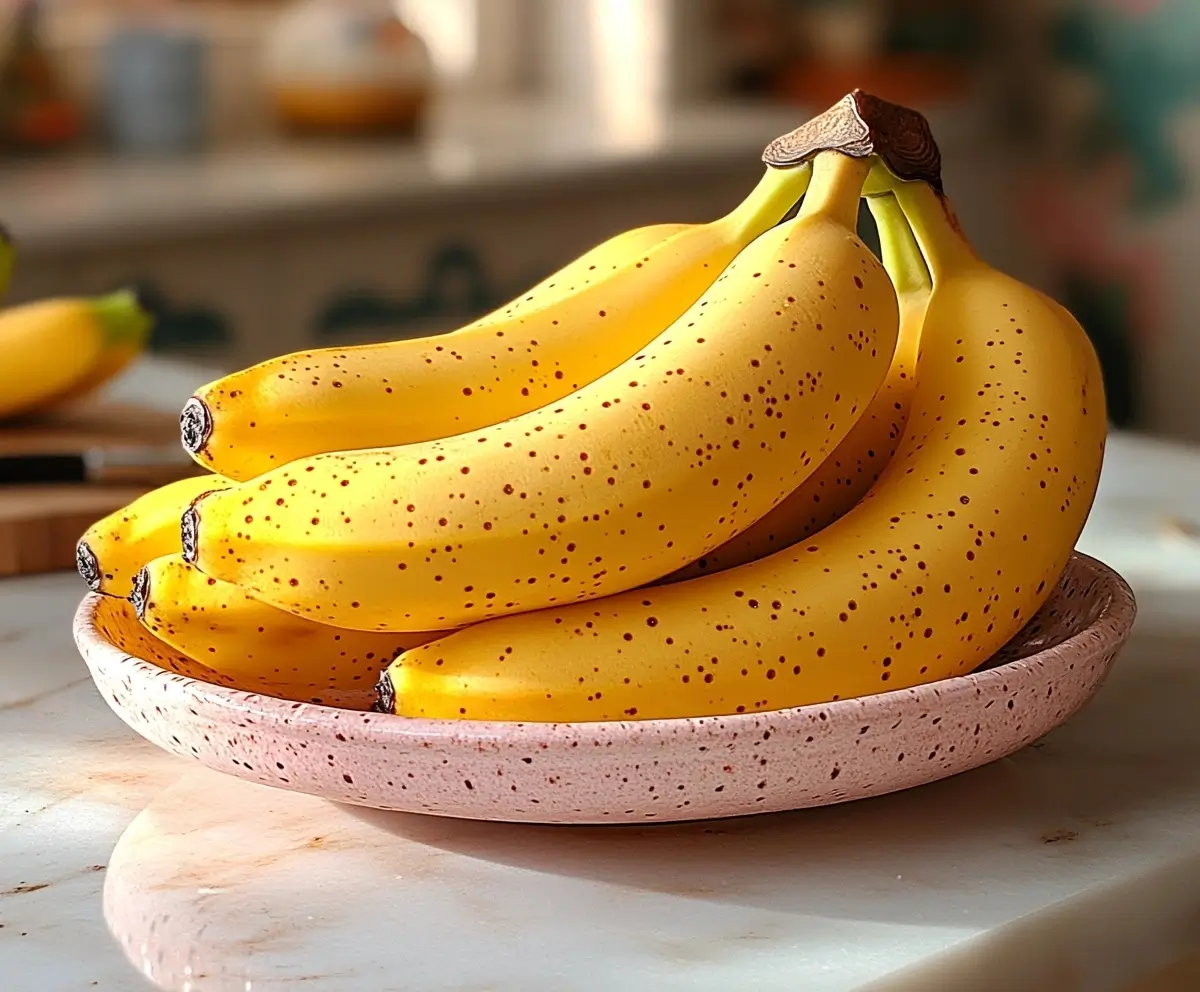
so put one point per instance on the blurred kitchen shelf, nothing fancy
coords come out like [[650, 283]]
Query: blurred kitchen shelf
[[72, 203], [279, 247]]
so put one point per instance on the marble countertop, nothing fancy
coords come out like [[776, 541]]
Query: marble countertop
[[1074, 864]]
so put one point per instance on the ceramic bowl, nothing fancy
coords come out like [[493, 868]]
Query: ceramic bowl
[[637, 771]]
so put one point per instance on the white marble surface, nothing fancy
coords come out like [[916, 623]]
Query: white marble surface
[[1073, 865]]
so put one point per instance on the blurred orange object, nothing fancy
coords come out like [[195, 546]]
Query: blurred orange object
[[348, 110], [34, 110], [347, 67]]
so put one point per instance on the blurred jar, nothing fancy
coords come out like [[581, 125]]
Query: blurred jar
[[154, 88], [347, 67]]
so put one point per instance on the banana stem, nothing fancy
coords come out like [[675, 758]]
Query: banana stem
[[123, 318], [835, 189], [901, 253], [945, 250], [776, 193]]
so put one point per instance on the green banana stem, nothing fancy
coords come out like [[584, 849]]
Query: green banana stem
[[943, 246], [776, 193], [123, 317], [901, 254], [835, 189]]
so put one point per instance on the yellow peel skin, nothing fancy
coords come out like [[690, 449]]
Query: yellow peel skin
[[52, 348], [249, 642], [955, 547], [559, 336], [844, 477], [620, 483], [112, 550]]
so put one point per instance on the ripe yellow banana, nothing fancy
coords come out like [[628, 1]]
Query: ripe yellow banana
[[112, 550], [564, 333], [845, 476], [117, 355], [950, 553], [659, 461], [118, 624], [52, 346], [253, 644]]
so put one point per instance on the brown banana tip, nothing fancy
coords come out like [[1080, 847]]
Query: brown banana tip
[[6, 237], [140, 595], [385, 694], [189, 533], [87, 565], [195, 425], [859, 125]]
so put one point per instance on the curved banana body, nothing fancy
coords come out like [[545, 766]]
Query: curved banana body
[[112, 550], [52, 347], [254, 644], [668, 456], [955, 547], [117, 622], [561, 335], [844, 477]]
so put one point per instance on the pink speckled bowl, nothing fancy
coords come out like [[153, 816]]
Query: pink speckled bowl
[[658, 770]]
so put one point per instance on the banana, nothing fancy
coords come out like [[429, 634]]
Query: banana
[[253, 644], [116, 621], [112, 550], [52, 346], [116, 356], [955, 547], [844, 477], [629, 478], [564, 333]]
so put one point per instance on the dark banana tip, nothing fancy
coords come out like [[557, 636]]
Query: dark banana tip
[[189, 534], [87, 565], [148, 299], [141, 593], [195, 425], [6, 237], [859, 125], [385, 694]]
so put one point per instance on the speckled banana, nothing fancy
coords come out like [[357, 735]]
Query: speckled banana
[[112, 550], [221, 627], [844, 477], [955, 547], [624, 481], [52, 347], [562, 334]]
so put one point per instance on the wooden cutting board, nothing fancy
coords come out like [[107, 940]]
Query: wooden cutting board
[[39, 524]]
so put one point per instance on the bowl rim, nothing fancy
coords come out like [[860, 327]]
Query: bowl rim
[[1113, 624]]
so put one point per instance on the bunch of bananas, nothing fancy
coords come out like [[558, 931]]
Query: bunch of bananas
[[703, 469], [59, 350]]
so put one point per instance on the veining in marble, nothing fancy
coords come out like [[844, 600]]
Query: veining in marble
[[245, 884]]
